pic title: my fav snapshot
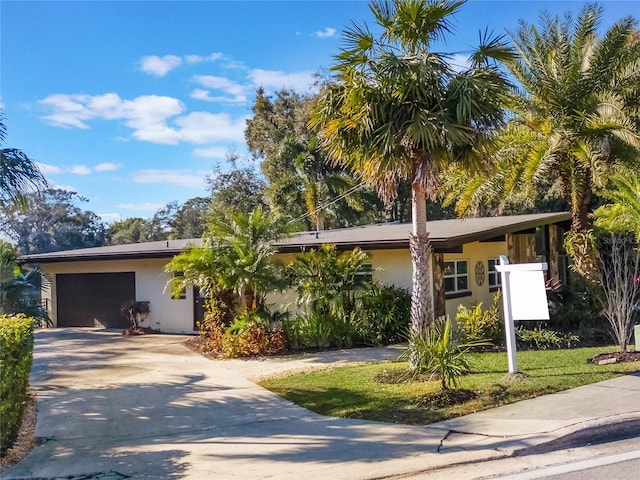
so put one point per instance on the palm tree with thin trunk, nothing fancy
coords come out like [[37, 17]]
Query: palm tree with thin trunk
[[396, 109], [19, 175]]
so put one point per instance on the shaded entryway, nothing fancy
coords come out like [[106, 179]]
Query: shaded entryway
[[94, 299]]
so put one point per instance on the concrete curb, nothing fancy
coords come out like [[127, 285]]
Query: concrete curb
[[589, 433]]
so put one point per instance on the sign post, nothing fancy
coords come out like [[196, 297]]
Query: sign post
[[524, 297]]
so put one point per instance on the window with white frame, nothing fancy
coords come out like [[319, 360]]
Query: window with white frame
[[456, 276], [495, 279]]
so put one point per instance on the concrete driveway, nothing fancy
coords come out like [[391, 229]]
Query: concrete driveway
[[113, 407]]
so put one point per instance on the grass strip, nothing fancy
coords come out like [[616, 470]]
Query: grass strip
[[383, 392]]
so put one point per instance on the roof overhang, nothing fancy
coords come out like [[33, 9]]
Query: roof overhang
[[445, 235]]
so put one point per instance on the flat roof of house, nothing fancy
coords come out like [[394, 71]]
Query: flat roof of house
[[445, 235]]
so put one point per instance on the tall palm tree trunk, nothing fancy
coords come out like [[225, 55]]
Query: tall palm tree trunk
[[420, 249]]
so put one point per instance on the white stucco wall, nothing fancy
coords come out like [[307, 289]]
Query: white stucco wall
[[167, 314]]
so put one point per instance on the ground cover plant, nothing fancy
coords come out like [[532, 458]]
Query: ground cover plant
[[386, 391]]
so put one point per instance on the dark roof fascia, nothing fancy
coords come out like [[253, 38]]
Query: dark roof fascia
[[375, 245], [503, 230], [43, 259]]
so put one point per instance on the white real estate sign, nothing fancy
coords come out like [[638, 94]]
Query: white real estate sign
[[528, 294], [524, 297]]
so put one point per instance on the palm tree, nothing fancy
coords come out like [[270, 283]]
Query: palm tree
[[19, 175], [236, 256], [315, 184], [19, 288], [622, 212], [398, 110], [576, 116]]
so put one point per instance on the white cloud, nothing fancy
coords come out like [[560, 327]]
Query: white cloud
[[299, 81], [79, 170], [48, 169], [141, 207], [220, 83], [211, 152], [199, 59], [181, 178], [106, 167], [326, 33], [205, 127], [159, 66], [205, 96], [146, 115]]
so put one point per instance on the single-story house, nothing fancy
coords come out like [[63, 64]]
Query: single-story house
[[88, 286]]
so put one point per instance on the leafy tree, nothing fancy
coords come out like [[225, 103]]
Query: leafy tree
[[396, 110], [300, 178], [239, 189], [576, 117], [53, 222], [273, 122], [129, 230], [19, 175], [190, 219]]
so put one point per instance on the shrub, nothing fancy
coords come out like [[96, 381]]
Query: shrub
[[384, 315], [436, 351], [478, 325], [249, 333], [16, 356], [540, 338]]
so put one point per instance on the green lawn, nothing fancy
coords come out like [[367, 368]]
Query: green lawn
[[365, 391]]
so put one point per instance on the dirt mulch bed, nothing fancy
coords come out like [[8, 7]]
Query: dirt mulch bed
[[26, 435], [445, 398], [615, 357]]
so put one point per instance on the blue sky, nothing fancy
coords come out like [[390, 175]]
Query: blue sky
[[132, 104]]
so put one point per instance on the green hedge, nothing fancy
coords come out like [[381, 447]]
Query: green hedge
[[16, 356]]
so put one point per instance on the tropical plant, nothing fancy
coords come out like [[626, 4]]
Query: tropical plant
[[540, 338], [236, 256], [19, 288], [329, 195], [396, 110], [576, 117], [622, 211], [436, 351], [384, 315], [19, 175], [478, 324], [329, 285]]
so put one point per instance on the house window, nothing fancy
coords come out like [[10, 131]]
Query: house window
[[456, 278], [366, 273], [182, 293], [495, 279]]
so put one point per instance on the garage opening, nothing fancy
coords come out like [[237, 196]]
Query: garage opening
[[94, 299]]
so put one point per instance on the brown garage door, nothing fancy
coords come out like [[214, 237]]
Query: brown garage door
[[94, 299]]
